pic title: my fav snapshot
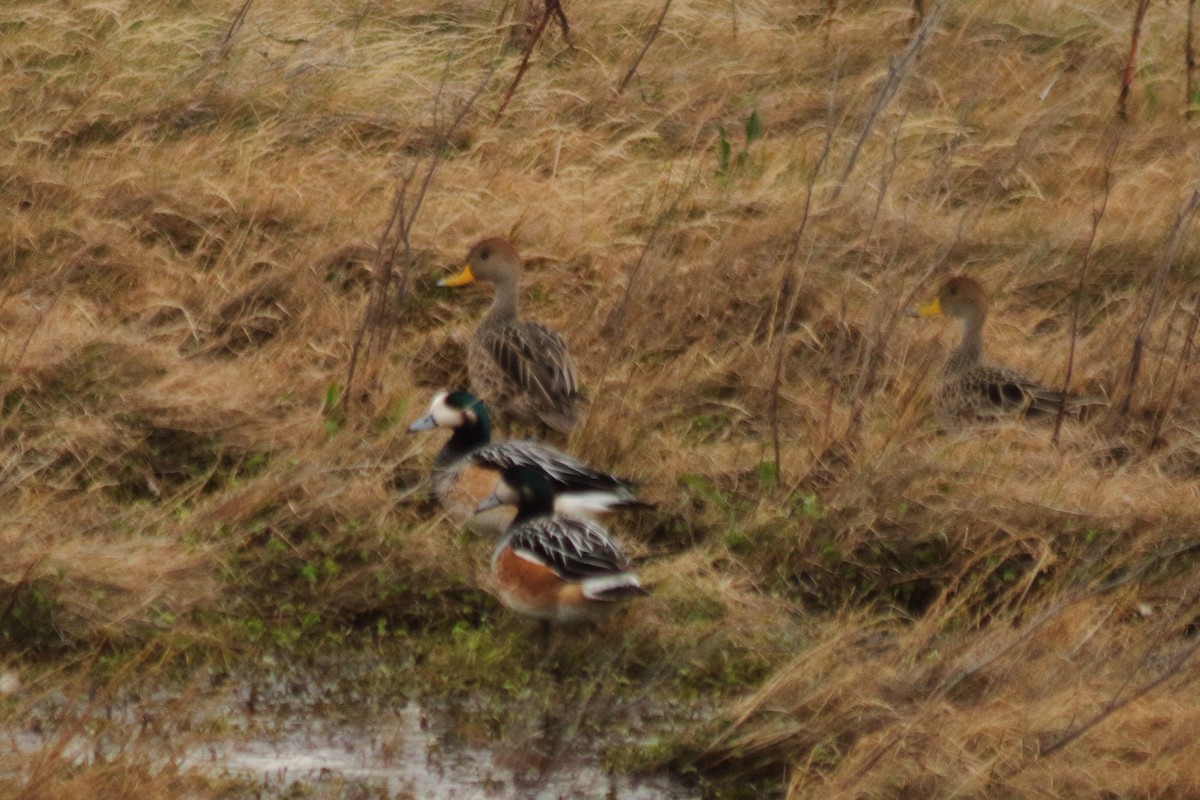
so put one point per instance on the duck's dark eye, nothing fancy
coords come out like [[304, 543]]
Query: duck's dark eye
[[484, 254], [953, 291]]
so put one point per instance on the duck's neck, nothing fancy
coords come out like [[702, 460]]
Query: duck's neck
[[528, 510], [534, 508], [467, 438], [504, 304], [970, 350]]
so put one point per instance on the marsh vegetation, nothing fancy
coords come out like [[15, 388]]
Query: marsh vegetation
[[849, 602]]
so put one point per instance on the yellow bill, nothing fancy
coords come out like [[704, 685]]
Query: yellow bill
[[931, 309], [461, 279]]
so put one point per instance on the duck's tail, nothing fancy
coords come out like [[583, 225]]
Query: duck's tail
[[1049, 401], [614, 587], [590, 503]]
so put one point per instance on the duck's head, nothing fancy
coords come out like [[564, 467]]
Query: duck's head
[[494, 260], [527, 489], [958, 297], [457, 410]]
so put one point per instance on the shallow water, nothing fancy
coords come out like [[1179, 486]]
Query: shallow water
[[405, 753], [278, 733]]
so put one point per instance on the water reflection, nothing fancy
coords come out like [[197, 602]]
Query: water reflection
[[406, 752], [277, 734]]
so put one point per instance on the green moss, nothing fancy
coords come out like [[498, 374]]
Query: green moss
[[28, 614]]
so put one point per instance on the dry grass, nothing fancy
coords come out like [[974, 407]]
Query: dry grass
[[189, 240]]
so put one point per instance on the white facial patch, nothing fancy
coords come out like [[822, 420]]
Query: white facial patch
[[445, 415]]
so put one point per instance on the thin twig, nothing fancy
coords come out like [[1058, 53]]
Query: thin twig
[[1135, 35], [880, 330], [507, 6], [1185, 360], [528, 54], [60, 283], [236, 25], [944, 687], [222, 51], [661, 223], [1097, 216], [1118, 702], [1055, 611], [839, 352], [555, 7], [1190, 100], [792, 294], [789, 293], [650, 37], [896, 72], [887, 169], [1174, 240], [918, 12], [396, 235], [882, 325], [827, 26]]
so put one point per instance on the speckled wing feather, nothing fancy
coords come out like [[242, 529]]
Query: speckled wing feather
[[574, 548], [1004, 390], [535, 358], [563, 471]]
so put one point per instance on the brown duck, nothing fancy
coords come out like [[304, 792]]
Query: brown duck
[[970, 389], [520, 368]]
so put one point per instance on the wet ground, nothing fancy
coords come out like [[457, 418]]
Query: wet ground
[[285, 735], [404, 754]]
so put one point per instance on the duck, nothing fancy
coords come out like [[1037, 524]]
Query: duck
[[971, 389], [469, 465], [555, 568], [520, 367]]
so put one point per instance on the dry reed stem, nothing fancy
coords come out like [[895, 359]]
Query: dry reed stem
[[790, 285], [383, 310], [918, 12], [617, 320], [897, 70], [235, 25], [1120, 701], [1182, 365], [1097, 218], [1171, 246], [649, 40], [1135, 35], [523, 67], [1191, 99], [882, 324], [831, 10]]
